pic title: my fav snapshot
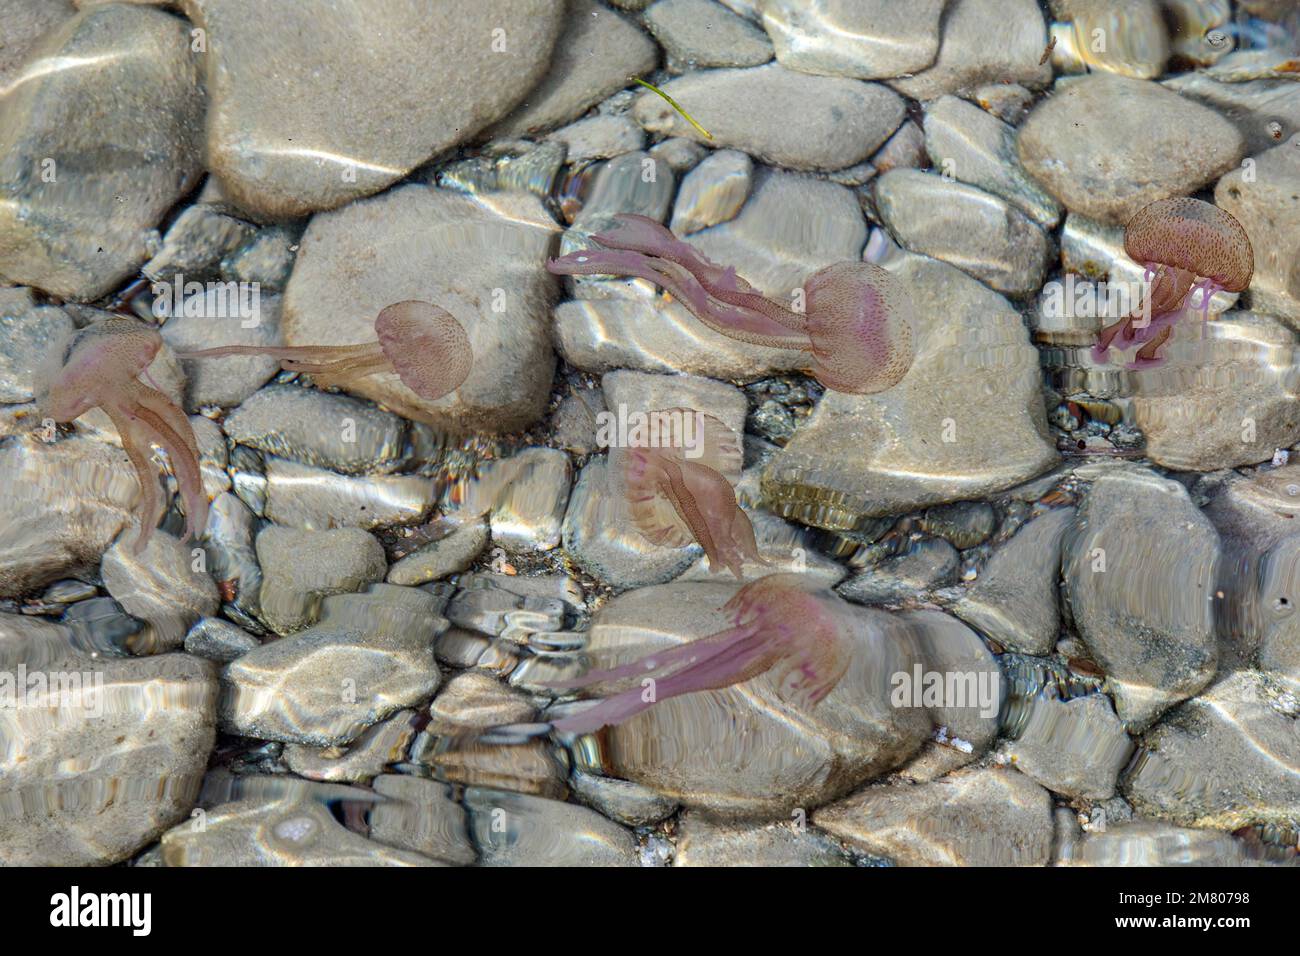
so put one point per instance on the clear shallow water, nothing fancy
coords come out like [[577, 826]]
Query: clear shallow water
[[1053, 593]]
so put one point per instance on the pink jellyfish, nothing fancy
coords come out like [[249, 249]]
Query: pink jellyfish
[[101, 369], [1177, 240], [856, 327], [423, 344], [779, 623], [678, 478]]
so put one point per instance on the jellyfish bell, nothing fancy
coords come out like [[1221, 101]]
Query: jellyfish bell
[[1190, 249], [860, 324]]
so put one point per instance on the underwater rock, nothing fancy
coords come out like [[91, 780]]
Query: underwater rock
[[699, 34], [28, 333], [597, 51], [985, 817], [599, 537], [964, 524], [474, 700], [454, 551], [232, 557], [705, 842], [482, 258], [1076, 143], [975, 147], [224, 381], [1223, 760], [511, 829], [115, 81], [966, 716], [523, 498], [967, 419], [366, 757], [712, 192], [1267, 206], [90, 779], [166, 585], [300, 568], [369, 655], [26, 22], [1014, 599], [1227, 395], [301, 496], [740, 751], [1153, 843], [967, 227], [929, 563], [1076, 748], [1127, 37], [266, 259], [195, 243], [862, 39], [967, 58], [807, 122], [286, 141], [290, 828], [1260, 572], [317, 428], [1140, 567], [216, 639], [621, 800], [1253, 107], [599, 137], [422, 816]]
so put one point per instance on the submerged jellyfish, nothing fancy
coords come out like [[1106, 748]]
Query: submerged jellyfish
[[1187, 246], [856, 326], [677, 479], [422, 343], [778, 624], [101, 369]]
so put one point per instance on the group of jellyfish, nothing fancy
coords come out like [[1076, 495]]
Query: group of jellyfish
[[855, 333]]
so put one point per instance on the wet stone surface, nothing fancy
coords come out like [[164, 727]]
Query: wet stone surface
[[1064, 589]]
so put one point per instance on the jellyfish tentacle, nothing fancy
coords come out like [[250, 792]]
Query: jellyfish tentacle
[[657, 662], [738, 656], [171, 429], [151, 506]]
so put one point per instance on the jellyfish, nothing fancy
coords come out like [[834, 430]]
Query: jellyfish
[[780, 623], [1188, 247], [677, 478], [856, 327], [423, 344], [101, 369]]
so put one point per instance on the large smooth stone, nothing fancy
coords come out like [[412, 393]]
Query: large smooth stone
[[87, 780], [596, 55], [65, 503], [100, 135], [1268, 207], [807, 122], [985, 817], [470, 255], [316, 104], [1140, 566], [1079, 141], [1227, 759], [965, 421], [741, 751]]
